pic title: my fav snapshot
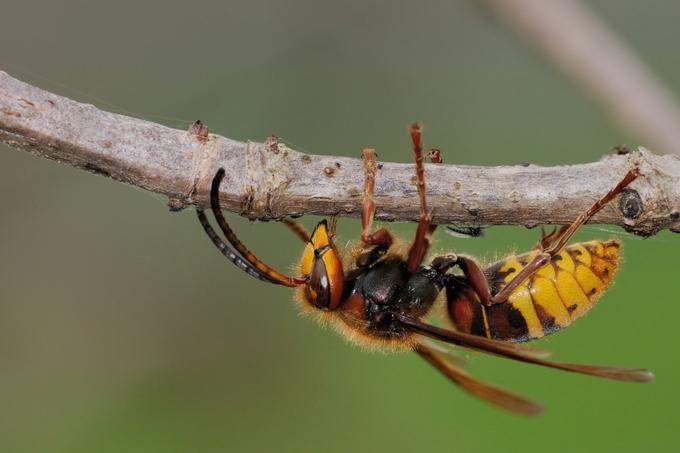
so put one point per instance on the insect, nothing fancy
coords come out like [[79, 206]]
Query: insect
[[379, 295]]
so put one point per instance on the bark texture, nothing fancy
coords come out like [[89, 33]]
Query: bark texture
[[268, 181]]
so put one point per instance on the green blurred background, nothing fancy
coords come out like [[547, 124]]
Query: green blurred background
[[122, 329]]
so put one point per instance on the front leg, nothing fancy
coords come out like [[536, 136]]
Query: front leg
[[421, 240], [381, 238]]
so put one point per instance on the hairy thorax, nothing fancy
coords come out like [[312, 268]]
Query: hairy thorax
[[375, 294]]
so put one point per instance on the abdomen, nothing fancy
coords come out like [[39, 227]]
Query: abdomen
[[558, 294]]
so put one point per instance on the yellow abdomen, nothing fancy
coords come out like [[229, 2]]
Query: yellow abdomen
[[558, 294]]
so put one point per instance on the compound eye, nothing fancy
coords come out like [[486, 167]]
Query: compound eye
[[321, 262], [319, 284]]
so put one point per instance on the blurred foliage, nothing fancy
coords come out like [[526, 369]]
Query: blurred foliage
[[121, 329]]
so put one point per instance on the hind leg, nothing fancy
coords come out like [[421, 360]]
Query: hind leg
[[549, 246]]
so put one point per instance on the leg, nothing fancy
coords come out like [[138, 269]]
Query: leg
[[332, 225], [419, 246], [296, 228], [273, 275], [382, 237], [547, 239], [443, 263], [566, 233], [435, 156], [549, 246]]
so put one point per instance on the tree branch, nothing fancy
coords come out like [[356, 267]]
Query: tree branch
[[268, 182]]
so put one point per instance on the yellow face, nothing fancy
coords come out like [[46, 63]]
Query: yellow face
[[321, 264]]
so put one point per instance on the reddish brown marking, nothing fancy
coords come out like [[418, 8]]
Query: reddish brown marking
[[355, 306], [463, 315], [417, 252], [466, 312], [507, 323], [420, 169], [477, 279]]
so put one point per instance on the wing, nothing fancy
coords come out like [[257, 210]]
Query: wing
[[477, 388], [518, 353]]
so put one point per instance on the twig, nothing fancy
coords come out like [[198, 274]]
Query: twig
[[268, 181], [572, 38]]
